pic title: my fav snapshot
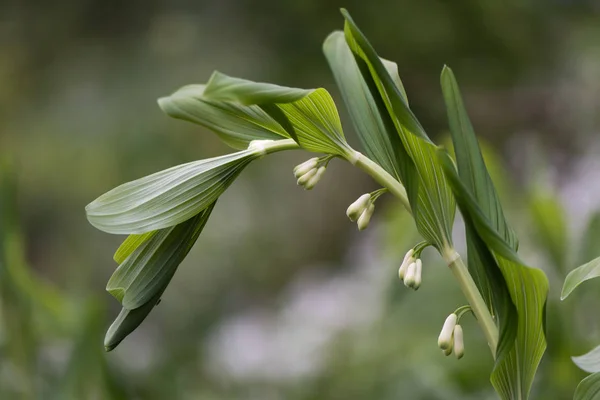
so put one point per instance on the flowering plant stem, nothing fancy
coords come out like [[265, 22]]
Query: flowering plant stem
[[451, 257]]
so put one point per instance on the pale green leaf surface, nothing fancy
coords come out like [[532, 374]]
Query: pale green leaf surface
[[150, 267], [579, 275], [317, 123], [590, 361], [589, 388], [168, 197], [130, 244], [433, 203], [237, 125], [222, 87], [308, 116]]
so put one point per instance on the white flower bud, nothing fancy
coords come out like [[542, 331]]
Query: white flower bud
[[408, 259], [448, 351], [306, 166], [409, 278], [365, 217], [445, 338], [315, 179], [418, 269], [459, 344], [303, 180], [358, 207]]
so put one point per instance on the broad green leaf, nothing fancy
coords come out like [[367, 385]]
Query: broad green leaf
[[471, 167], [150, 267], [590, 361], [166, 198], [222, 87], [236, 124], [516, 363], [431, 199], [579, 275], [374, 129], [528, 287], [311, 113], [130, 244], [127, 321], [550, 224], [589, 388]]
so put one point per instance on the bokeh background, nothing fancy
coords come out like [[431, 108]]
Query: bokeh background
[[281, 298]]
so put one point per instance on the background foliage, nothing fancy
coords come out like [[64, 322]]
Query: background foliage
[[280, 298]]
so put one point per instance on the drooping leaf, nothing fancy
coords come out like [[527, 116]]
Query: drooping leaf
[[589, 388], [236, 124], [150, 267], [516, 363], [311, 113], [130, 244], [590, 361], [168, 197], [431, 199], [127, 321], [579, 275]]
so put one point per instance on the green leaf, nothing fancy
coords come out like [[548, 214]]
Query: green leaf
[[471, 167], [130, 244], [150, 267], [375, 129], [579, 275], [312, 113], [166, 198], [222, 87], [516, 362], [589, 388], [236, 124], [589, 362], [431, 198], [127, 321]]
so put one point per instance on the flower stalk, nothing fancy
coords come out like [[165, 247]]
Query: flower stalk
[[450, 256]]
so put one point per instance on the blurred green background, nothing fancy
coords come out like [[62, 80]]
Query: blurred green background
[[281, 298]]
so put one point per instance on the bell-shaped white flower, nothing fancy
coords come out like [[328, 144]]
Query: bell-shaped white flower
[[409, 278], [358, 207], [445, 339], [302, 169], [459, 344], [315, 179], [365, 217]]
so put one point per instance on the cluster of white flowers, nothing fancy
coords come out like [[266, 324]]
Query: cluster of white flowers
[[361, 211], [309, 173], [451, 337], [410, 271]]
